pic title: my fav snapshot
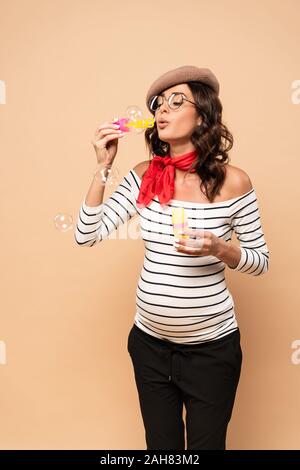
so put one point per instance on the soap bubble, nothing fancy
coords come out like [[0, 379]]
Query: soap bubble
[[133, 112], [63, 222], [135, 117], [107, 177], [134, 122]]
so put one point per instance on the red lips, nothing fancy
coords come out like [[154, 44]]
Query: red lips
[[162, 123]]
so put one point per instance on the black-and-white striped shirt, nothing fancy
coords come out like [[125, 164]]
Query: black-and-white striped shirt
[[180, 297]]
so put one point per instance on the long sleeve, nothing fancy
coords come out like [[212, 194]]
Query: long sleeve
[[95, 224], [246, 223]]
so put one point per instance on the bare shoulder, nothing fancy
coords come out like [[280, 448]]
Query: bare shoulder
[[141, 168], [238, 181]]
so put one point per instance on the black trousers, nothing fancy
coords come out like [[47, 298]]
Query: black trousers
[[204, 377]]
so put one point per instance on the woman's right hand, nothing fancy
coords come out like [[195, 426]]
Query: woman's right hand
[[105, 143]]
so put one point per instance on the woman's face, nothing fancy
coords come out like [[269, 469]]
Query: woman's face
[[181, 122]]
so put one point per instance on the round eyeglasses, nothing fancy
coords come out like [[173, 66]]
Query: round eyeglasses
[[175, 100]]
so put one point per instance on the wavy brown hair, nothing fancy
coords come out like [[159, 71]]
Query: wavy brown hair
[[212, 140]]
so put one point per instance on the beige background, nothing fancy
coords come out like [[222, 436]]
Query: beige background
[[66, 311]]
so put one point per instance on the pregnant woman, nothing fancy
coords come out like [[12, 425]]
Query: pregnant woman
[[185, 340]]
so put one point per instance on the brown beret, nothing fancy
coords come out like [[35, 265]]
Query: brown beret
[[182, 75]]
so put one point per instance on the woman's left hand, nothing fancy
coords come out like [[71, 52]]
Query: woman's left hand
[[203, 243]]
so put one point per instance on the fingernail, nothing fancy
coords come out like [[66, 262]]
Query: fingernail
[[176, 239]]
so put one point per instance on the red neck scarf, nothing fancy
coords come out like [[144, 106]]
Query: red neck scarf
[[159, 178]]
